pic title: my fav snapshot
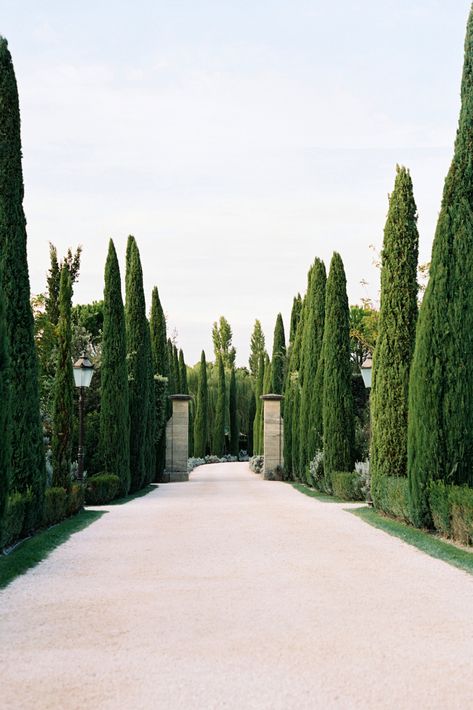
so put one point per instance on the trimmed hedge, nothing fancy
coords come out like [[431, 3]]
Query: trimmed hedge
[[55, 505], [12, 523], [441, 507], [461, 501], [75, 499], [101, 488], [346, 485], [393, 497]]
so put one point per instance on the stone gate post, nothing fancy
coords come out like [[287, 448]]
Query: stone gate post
[[273, 436], [177, 439]]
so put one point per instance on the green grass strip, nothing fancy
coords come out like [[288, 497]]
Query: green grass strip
[[313, 493], [423, 540], [35, 549], [139, 494]]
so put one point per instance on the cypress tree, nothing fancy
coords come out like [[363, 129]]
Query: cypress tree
[[266, 390], [256, 348], [311, 345], [219, 424], [63, 389], [295, 424], [201, 415], [292, 381], [159, 351], [257, 443], [295, 317], [183, 374], [5, 434], [278, 362], [396, 336], [138, 365], [151, 441], [27, 464], [440, 426], [176, 370], [114, 406], [251, 420], [234, 429], [338, 417], [172, 384]]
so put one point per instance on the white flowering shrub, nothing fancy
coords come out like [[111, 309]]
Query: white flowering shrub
[[316, 468], [362, 468], [257, 464]]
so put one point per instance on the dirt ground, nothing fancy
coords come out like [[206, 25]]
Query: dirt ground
[[232, 592]]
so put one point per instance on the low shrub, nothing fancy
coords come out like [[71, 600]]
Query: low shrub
[[362, 468], [257, 464], [30, 519], [13, 520], [441, 507], [212, 459], [346, 485], [393, 497], [461, 501], [75, 499], [193, 462], [101, 488], [55, 505], [316, 475]]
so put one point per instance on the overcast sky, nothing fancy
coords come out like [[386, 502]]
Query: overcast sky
[[236, 139]]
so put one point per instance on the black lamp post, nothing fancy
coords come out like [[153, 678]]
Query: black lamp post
[[83, 373]]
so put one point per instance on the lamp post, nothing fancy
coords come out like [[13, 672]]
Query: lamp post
[[83, 373], [366, 372]]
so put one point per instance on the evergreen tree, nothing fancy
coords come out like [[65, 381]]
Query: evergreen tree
[[183, 374], [256, 348], [5, 434], [159, 347], [257, 443], [295, 424], [266, 390], [27, 464], [149, 454], [396, 336], [338, 418], [201, 414], [222, 339], [251, 419], [160, 355], [138, 365], [72, 263], [291, 407], [176, 370], [295, 317], [312, 338], [219, 424], [440, 427], [234, 429], [114, 443], [63, 389], [278, 362], [173, 386]]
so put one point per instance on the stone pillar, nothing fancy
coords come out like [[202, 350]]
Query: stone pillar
[[177, 439], [273, 436]]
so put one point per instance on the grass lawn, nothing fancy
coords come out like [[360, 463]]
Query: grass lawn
[[313, 493], [132, 496], [38, 547]]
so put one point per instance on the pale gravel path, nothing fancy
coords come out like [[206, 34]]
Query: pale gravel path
[[231, 592]]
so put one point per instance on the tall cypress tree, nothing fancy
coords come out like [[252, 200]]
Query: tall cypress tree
[[173, 386], [5, 433], [234, 429], [185, 390], [257, 443], [440, 428], [312, 338], [295, 317], [63, 389], [396, 336], [256, 348], [114, 407], [201, 415], [251, 421], [338, 417], [219, 424], [176, 370], [138, 365], [159, 350], [149, 453], [28, 464], [291, 407], [278, 362], [266, 390]]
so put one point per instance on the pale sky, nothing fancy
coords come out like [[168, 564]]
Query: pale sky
[[236, 140]]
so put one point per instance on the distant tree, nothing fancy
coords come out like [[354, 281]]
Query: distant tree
[[222, 340], [295, 316], [160, 355], [219, 424], [5, 433], [201, 414], [257, 442], [278, 362], [256, 348], [363, 332], [234, 428], [72, 263]]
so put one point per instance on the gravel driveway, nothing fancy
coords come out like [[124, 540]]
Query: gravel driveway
[[232, 592]]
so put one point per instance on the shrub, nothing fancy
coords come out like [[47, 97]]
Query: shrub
[[257, 464], [461, 500], [394, 497], [362, 468], [193, 462], [75, 499], [441, 507], [31, 513], [13, 519], [346, 485], [101, 488], [55, 505], [316, 471]]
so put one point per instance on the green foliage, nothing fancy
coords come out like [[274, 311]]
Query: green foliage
[[55, 504], [256, 348], [291, 415], [114, 443], [278, 362], [5, 433], [201, 433], [63, 389], [346, 485], [257, 441], [27, 464], [71, 263], [311, 347], [160, 354], [13, 519], [296, 428], [222, 340], [440, 507], [364, 326], [89, 318], [101, 489], [251, 419], [219, 424], [176, 371], [138, 354], [295, 316], [461, 501], [234, 428], [75, 499], [393, 497], [395, 344], [440, 429], [338, 420]]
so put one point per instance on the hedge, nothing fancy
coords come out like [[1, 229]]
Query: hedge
[[12, 523], [393, 497], [440, 507], [461, 501], [346, 485], [55, 505], [75, 499], [101, 488]]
